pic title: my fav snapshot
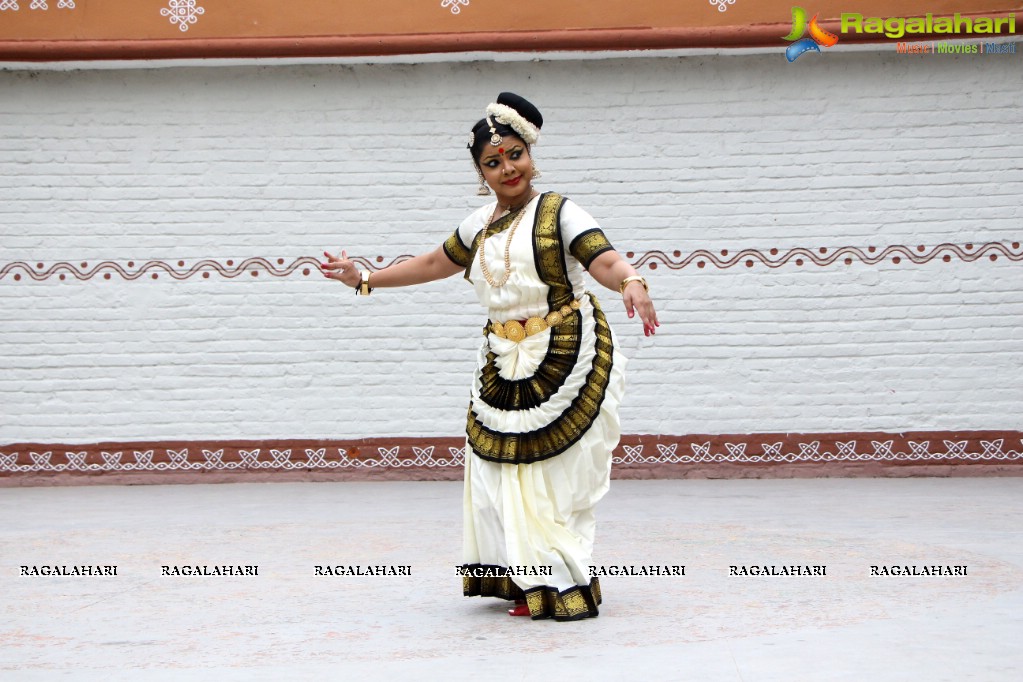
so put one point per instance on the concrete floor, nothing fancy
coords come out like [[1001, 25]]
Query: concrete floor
[[289, 624]]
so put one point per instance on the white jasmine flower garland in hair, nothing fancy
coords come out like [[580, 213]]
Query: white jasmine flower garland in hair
[[509, 117]]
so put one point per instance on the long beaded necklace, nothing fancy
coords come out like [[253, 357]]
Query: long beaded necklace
[[507, 249]]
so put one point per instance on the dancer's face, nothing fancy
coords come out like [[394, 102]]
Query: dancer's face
[[508, 169]]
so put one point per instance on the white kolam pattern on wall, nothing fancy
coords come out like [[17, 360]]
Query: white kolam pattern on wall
[[715, 155], [126, 460], [13, 6], [182, 13]]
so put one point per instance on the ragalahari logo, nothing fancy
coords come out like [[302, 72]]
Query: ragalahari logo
[[818, 36]]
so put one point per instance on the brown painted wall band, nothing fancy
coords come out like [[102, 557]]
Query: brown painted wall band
[[966, 453], [757, 35]]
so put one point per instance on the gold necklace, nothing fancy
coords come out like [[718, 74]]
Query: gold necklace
[[507, 249]]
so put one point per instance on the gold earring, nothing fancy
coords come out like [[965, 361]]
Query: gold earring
[[483, 190], [536, 171]]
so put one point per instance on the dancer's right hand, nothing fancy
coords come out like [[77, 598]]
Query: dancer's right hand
[[341, 269]]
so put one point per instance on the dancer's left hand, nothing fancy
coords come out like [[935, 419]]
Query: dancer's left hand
[[637, 299]]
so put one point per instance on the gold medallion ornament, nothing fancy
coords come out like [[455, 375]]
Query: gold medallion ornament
[[535, 325], [514, 331], [495, 139]]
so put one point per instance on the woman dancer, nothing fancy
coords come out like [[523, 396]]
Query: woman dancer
[[543, 410]]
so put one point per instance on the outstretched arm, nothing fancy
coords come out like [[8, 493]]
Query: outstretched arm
[[426, 267], [611, 270]]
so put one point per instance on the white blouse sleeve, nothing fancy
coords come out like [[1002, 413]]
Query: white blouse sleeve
[[458, 246], [581, 234]]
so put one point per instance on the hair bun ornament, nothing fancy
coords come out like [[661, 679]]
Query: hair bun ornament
[[523, 106], [519, 113]]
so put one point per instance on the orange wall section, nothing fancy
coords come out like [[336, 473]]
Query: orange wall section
[[105, 29]]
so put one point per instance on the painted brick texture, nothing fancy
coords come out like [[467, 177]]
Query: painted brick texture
[[715, 153]]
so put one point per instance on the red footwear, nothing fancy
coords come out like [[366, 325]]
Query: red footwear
[[520, 608]]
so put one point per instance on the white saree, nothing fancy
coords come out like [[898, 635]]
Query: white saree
[[543, 416]]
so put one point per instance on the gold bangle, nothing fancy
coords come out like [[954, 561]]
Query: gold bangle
[[364, 287], [634, 278]]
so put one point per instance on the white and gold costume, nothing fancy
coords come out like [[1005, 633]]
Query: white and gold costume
[[543, 415]]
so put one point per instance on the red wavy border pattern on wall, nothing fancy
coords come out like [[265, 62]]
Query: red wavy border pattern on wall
[[722, 259]]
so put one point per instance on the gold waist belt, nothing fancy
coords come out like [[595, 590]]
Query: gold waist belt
[[516, 330]]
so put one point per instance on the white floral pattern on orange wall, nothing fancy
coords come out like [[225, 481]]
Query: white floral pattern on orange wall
[[182, 12]]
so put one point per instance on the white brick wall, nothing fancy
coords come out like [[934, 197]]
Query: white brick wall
[[715, 152]]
